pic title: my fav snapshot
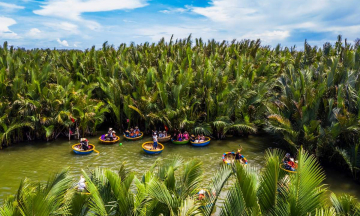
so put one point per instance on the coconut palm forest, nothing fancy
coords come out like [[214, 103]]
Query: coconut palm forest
[[305, 99]]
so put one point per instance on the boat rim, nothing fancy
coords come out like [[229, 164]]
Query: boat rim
[[142, 134], [151, 142], [289, 171], [73, 147], [208, 139], [115, 140]]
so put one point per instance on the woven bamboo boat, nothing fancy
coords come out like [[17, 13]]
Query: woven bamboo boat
[[103, 140], [203, 143], [148, 147], [77, 150], [229, 158], [135, 138]]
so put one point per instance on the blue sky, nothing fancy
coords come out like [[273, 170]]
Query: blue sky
[[82, 23]]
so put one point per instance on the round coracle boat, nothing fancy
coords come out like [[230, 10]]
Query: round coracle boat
[[286, 168], [148, 147], [183, 142], [164, 139], [229, 158], [77, 150], [134, 138], [204, 197], [82, 192], [202, 143], [105, 140]]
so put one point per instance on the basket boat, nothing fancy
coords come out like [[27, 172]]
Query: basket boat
[[229, 158], [103, 141], [148, 148], [82, 152], [183, 142], [203, 143], [135, 138]]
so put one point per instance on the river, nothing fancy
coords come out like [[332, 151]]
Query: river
[[37, 160]]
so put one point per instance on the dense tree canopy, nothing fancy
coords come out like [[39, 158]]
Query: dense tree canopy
[[308, 97]]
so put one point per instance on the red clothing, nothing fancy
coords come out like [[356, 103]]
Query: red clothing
[[292, 164]]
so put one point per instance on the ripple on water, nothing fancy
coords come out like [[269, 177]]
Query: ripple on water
[[38, 160]]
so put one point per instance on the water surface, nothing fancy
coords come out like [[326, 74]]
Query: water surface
[[38, 160]]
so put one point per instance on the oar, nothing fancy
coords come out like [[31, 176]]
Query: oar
[[96, 151]]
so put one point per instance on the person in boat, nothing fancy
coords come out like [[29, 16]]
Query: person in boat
[[238, 156], [137, 131], [202, 137], [81, 184], [288, 162], [186, 135], [201, 194], [127, 133], [165, 134], [111, 134], [132, 133], [198, 139], [291, 165], [180, 136], [84, 144], [155, 140], [174, 136], [286, 159], [192, 138]]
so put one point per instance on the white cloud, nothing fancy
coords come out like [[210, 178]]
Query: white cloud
[[5, 32], [268, 36], [66, 26], [10, 6], [63, 43], [77, 44], [128, 21], [176, 10], [155, 33], [275, 20], [72, 9], [34, 33]]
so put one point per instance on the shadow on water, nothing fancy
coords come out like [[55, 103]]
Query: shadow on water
[[38, 160]]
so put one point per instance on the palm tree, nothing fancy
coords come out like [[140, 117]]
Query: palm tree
[[51, 198], [272, 191]]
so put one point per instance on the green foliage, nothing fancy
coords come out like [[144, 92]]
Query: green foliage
[[306, 98]]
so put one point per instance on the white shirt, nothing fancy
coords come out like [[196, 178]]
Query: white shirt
[[155, 139]]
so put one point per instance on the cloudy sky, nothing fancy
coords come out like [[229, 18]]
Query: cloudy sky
[[82, 23]]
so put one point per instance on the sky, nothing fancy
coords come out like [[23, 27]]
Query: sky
[[80, 24]]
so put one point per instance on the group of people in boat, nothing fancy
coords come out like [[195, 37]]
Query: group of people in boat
[[133, 133], [84, 144], [197, 139], [163, 134], [178, 136], [289, 163], [111, 134]]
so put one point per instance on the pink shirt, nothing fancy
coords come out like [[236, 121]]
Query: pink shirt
[[186, 136]]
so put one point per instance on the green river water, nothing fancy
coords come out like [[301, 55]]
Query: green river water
[[38, 161]]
